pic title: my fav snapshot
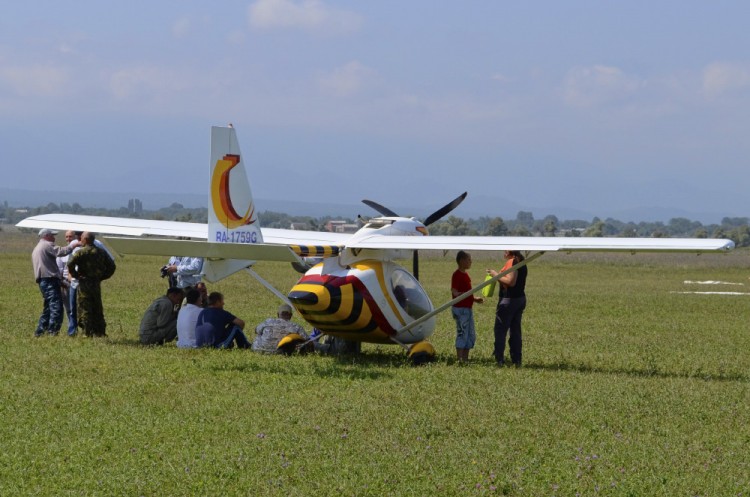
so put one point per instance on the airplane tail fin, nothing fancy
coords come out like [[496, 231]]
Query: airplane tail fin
[[232, 216]]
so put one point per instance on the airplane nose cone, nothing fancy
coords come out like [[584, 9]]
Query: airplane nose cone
[[309, 297], [302, 298]]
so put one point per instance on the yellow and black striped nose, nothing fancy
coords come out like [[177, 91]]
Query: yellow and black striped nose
[[339, 305]]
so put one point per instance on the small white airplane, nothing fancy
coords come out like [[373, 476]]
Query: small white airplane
[[357, 292]]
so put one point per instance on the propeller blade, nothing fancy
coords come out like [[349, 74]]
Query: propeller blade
[[444, 210], [415, 264], [381, 209]]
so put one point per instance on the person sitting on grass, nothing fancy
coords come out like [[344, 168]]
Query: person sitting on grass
[[219, 328], [159, 323], [187, 318], [201, 287], [270, 334]]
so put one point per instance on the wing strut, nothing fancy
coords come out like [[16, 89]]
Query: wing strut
[[269, 286], [469, 292]]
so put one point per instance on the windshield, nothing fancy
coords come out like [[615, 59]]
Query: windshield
[[409, 294]]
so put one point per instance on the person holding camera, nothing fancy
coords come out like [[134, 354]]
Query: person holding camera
[[183, 272]]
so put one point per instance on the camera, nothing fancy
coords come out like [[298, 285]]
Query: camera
[[164, 271]]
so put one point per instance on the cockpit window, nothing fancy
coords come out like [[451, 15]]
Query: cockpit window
[[409, 294], [378, 223]]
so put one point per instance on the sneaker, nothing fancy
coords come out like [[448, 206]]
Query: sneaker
[[500, 364]]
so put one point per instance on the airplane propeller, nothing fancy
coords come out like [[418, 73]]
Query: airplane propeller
[[438, 214], [380, 208]]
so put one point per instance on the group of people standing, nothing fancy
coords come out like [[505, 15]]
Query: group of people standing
[[510, 307], [69, 280]]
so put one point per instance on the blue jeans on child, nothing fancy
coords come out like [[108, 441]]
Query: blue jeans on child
[[466, 335]]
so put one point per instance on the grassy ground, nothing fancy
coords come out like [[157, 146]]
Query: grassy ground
[[627, 389]]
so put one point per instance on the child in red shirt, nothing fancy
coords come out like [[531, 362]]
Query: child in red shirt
[[462, 310]]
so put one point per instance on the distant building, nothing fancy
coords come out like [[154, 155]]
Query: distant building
[[341, 226], [135, 206], [332, 224], [299, 226]]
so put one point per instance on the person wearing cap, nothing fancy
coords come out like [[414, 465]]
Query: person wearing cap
[[46, 273], [159, 323], [270, 333]]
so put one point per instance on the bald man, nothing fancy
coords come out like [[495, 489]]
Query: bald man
[[90, 266]]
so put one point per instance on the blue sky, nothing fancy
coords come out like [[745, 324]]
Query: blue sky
[[600, 106]]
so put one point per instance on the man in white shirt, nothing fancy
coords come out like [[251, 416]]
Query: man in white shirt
[[184, 272], [68, 284], [187, 318]]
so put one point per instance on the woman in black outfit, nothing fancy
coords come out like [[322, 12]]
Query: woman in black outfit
[[510, 308]]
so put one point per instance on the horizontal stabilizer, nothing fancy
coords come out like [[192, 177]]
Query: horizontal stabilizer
[[210, 250]]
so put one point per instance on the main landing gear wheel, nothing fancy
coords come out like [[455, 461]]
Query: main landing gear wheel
[[421, 353], [289, 344]]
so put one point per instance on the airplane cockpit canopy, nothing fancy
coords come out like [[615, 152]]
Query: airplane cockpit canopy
[[409, 294]]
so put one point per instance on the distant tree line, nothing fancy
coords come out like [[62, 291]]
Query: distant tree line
[[734, 228]]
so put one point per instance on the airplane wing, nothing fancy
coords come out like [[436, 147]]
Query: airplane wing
[[301, 237], [152, 227], [116, 225], [211, 250], [551, 244]]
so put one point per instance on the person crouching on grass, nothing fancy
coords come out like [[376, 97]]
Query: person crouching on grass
[[462, 310]]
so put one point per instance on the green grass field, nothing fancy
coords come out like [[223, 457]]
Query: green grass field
[[627, 389]]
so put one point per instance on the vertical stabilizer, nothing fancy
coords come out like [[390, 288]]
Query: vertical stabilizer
[[232, 216]]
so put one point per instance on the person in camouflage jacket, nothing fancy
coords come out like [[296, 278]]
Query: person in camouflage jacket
[[90, 265]]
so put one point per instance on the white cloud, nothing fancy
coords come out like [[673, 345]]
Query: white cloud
[[310, 15], [596, 85], [181, 27], [35, 80], [347, 80], [142, 81], [721, 78]]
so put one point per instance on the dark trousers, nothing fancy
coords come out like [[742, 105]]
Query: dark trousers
[[52, 312], [235, 335], [508, 319]]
